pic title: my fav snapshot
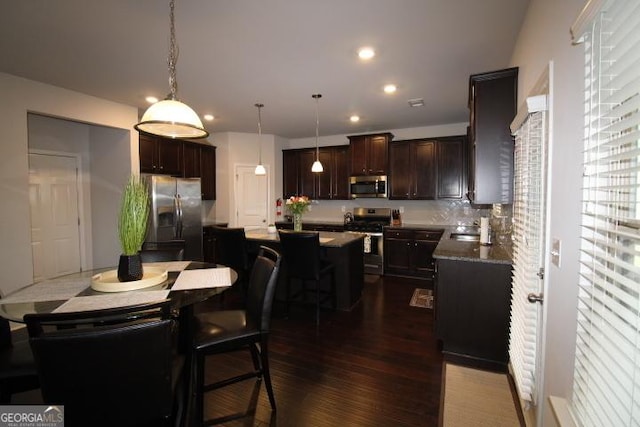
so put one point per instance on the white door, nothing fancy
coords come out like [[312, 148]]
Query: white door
[[53, 196], [527, 329], [251, 198]]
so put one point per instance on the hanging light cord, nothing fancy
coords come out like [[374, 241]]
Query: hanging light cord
[[317, 97], [259, 132], [173, 54]]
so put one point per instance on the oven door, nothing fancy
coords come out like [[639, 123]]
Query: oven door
[[373, 256]]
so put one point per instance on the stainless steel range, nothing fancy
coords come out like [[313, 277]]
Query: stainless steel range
[[371, 221]]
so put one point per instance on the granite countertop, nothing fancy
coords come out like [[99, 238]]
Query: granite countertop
[[327, 238], [470, 251], [315, 222], [210, 223]]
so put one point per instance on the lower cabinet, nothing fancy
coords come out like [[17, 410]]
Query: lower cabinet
[[409, 252], [472, 311]]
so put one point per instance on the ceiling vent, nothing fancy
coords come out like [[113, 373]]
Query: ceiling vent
[[416, 102]]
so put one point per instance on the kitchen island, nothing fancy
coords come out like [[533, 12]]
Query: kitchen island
[[344, 250]]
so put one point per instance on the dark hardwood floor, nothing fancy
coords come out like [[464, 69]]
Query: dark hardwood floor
[[377, 365]]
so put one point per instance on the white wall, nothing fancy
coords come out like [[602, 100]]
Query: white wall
[[21, 96], [545, 37]]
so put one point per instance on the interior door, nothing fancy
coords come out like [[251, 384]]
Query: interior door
[[53, 197], [251, 198]]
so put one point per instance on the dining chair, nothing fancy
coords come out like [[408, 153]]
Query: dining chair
[[303, 262], [17, 367], [222, 331], [110, 367], [231, 251], [171, 250]]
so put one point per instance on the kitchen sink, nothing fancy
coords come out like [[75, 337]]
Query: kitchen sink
[[465, 237]]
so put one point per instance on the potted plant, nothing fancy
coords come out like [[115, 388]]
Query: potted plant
[[132, 228]]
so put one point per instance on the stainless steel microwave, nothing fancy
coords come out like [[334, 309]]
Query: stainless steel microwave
[[368, 186]]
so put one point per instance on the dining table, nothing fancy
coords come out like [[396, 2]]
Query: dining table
[[184, 283]]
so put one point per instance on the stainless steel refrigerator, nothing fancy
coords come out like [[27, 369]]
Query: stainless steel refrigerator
[[176, 212]]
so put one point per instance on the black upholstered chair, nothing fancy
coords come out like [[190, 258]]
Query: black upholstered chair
[[303, 262], [111, 367], [17, 367], [171, 250], [231, 251], [223, 331]]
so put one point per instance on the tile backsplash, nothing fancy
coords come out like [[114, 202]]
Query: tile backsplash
[[427, 212]]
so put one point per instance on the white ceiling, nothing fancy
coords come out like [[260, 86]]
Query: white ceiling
[[234, 53]]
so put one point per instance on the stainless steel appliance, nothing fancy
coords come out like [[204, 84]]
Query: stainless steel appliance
[[371, 222], [368, 186], [176, 212]]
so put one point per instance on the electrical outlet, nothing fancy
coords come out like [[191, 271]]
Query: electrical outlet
[[401, 209], [344, 209]]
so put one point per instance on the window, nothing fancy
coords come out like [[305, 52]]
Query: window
[[607, 370]]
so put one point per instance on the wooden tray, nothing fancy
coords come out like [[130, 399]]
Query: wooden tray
[[108, 280]]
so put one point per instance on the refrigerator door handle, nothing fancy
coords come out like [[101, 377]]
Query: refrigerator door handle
[[178, 207]]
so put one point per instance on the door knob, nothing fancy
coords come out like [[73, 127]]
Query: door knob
[[534, 298]]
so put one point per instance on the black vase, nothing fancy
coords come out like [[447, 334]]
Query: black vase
[[130, 268]]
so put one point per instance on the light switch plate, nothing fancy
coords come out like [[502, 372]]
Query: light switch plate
[[555, 252]]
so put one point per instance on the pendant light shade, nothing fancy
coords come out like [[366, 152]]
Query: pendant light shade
[[260, 170], [171, 118], [317, 166]]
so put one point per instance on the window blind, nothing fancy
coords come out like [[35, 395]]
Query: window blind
[[528, 244], [606, 388]]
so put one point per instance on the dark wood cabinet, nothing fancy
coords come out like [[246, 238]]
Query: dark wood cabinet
[[191, 160], [409, 252], [427, 169], [290, 167], [492, 107], [369, 154], [208, 171], [160, 155], [473, 303], [412, 172], [452, 167], [331, 184]]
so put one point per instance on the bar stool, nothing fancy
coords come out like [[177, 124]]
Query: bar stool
[[303, 260]]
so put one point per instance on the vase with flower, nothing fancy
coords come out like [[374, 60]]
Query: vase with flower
[[297, 205]]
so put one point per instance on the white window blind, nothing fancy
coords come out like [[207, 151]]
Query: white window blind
[[528, 244], [606, 388]]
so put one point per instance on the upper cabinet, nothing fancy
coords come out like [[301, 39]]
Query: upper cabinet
[[492, 106], [369, 154], [331, 184], [208, 171], [166, 156], [427, 169], [412, 173], [451, 153], [160, 155]]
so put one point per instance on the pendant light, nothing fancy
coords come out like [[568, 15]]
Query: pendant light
[[260, 170], [171, 118], [317, 166]]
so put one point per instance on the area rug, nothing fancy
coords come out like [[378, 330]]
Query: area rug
[[473, 397], [422, 298]]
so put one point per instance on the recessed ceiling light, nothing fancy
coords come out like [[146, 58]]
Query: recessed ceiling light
[[209, 117], [390, 88], [354, 119], [151, 99], [416, 102], [366, 53]]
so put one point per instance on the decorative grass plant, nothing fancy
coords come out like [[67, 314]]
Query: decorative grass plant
[[134, 214]]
